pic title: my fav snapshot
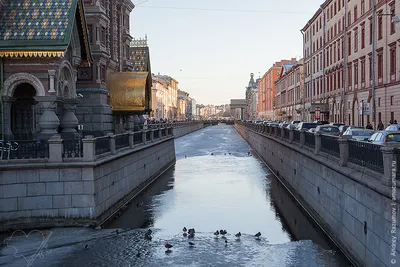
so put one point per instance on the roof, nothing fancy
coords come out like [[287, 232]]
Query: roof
[[287, 66], [41, 28]]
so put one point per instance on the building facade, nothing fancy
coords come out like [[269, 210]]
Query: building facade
[[289, 92], [340, 74], [251, 97], [165, 102], [43, 51], [267, 92]]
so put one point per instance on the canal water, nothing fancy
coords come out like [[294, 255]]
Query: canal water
[[215, 184]]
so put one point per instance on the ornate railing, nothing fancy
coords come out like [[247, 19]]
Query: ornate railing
[[121, 141], [330, 145], [24, 149], [286, 133], [102, 145], [72, 148], [309, 140], [296, 136], [397, 155], [148, 136], [156, 134], [366, 154], [137, 138], [164, 132]]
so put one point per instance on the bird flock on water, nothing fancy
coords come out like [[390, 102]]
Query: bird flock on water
[[190, 234]]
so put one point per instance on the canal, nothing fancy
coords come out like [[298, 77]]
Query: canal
[[215, 184]]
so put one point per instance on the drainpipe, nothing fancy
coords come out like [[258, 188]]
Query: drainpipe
[[1, 97], [304, 76], [323, 56], [345, 53]]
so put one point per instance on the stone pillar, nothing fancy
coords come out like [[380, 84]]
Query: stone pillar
[[69, 121], [130, 124], [317, 143], [291, 135], [160, 133], [302, 137], [89, 148], [48, 121], [7, 102], [55, 148], [144, 137], [142, 122], [344, 151], [136, 122], [52, 73], [152, 135], [112, 143], [389, 163], [131, 139]]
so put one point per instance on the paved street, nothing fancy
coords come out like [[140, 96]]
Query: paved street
[[214, 185]]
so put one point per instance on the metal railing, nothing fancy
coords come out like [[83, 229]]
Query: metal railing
[[309, 140], [286, 133], [330, 145], [148, 136], [24, 149], [296, 136], [121, 141], [72, 148], [102, 145], [137, 138], [397, 155], [366, 154]]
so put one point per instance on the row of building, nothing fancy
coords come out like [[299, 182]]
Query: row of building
[[349, 73]]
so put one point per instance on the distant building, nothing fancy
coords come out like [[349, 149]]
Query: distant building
[[251, 97]]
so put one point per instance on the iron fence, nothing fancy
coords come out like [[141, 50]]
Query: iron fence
[[397, 155], [330, 145], [309, 140], [137, 138], [286, 133], [156, 134], [366, 154], [72, 148], [102, 145], [296, 136], [148, 136], [164, 132], [24, 149], [121, 141]]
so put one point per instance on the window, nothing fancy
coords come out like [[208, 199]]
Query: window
[[335, 29], [362, 7], [355, 73], [103, 35], [370, 67], [90, 33], [363, 37], [334, 52], [338, 51], [391, 100], [340, 26], [355, 13], [349, 19], [349, 76], [379, 101], [380, 23], [103, 73], [335, 8], [380, 65], [370, 31], [349, 44], [393, 60], [355, 40], [392, 25], [362, 70]]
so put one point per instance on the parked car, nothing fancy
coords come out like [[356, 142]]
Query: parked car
[[358, 134], [382, 137], [306, 125], [393, 127], [327, 129], [312, 130], [336, 124], [321, 122]]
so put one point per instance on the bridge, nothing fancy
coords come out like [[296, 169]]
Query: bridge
[[220, 121]]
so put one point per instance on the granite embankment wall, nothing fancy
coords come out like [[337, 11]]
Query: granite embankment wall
[[34, 195], [352, 207], [187, 129]]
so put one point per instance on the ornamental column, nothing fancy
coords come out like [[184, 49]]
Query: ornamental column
[[48, 121], [69, 121]]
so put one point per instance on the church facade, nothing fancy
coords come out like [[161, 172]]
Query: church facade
[[56, 61]]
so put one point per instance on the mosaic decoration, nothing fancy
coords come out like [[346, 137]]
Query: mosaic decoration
[[35, 19], [139, 58]]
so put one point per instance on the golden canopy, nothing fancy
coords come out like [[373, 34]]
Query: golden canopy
[[127, 91]]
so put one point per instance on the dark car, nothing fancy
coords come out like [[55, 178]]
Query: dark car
[[306, 125]]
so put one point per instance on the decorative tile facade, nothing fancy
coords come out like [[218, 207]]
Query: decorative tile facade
[[36, 19]]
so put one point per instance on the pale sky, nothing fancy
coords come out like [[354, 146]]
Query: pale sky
[[212, 53]]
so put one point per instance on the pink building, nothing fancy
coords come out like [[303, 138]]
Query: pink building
[[338, 43]]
